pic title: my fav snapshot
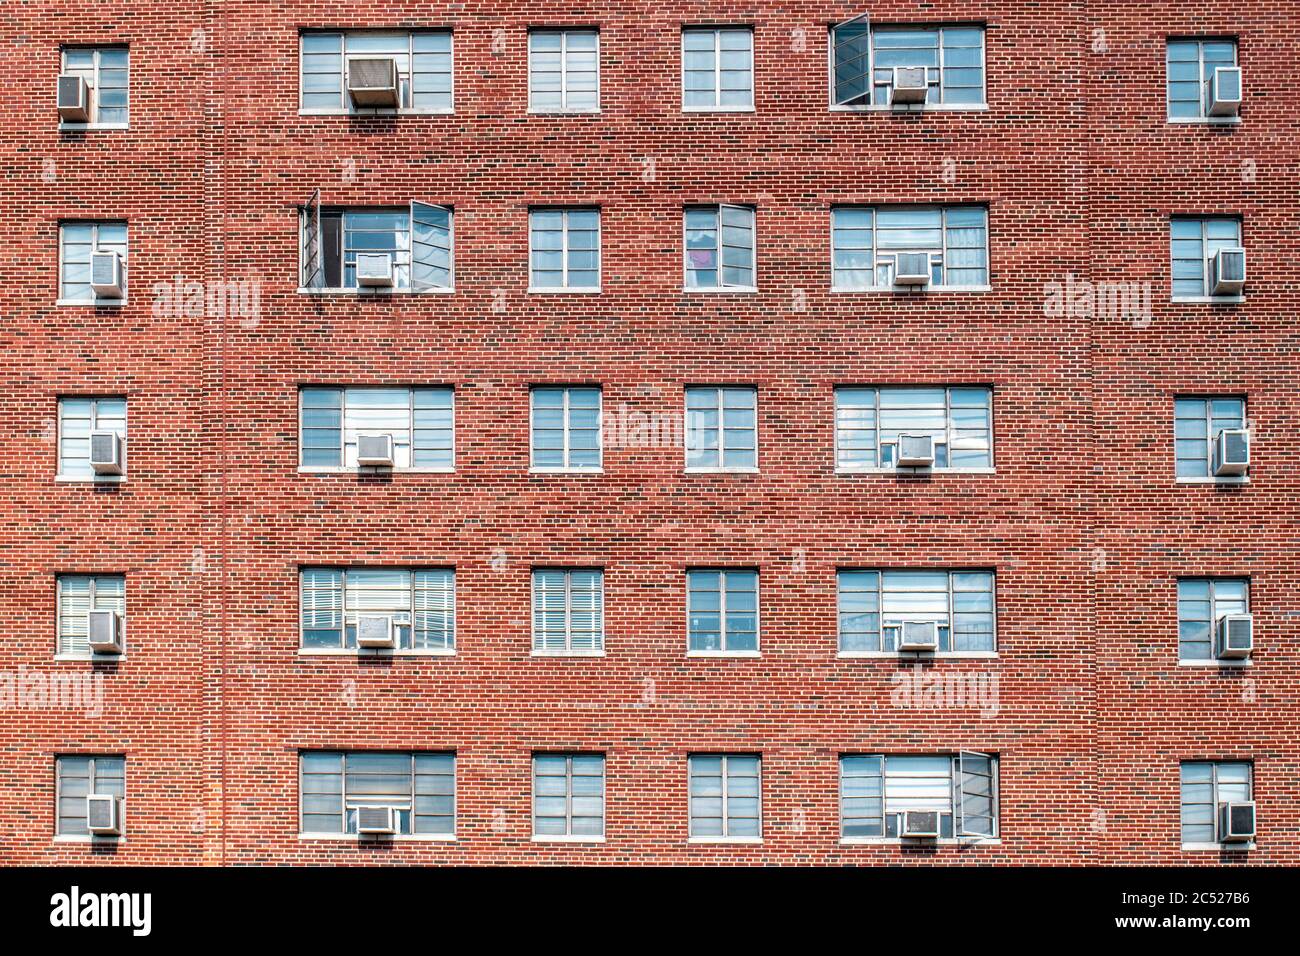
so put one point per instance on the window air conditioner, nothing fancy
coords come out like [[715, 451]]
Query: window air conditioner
[[1236, 822], [1235, 638], [104, 632], [1225, 91], [1231, 452], [1228, 271], [910, 86], [74, 98], [376, 821], [102, 814], [915, 451], [376, 450], [106, 274], [375, 630], [372, 81], [920, 825], [912, 268], [106, 452]]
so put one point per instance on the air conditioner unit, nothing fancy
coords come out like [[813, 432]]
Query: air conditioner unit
[[376, 450], [918, 636], [910, 86], [372, 81], [1236, 822], [376, 821], [106, 274], [912, 268], [103, 813], [375, 630], [106, 453], [1231, 452], [374, 270], [1236, 637], [1228, 271], [920, 825], [915, 451], [74, 98], [1225, 91], [104, 632]]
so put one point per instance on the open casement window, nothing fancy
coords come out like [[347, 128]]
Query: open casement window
[[720, 247], [417, 238], [851, 61], [974, 795]]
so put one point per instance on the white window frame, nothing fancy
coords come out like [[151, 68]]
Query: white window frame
[[912, 655], [94, 123], [717, 106], [722, 572], [118, 837], [312, 208], [567, 289], [1217, 845], [343, 650], [568, 650], [567, 469], [59, 653], [348, 109], [565, 109], [344, 836], [569, 836], [1211, 661], [725, 837], [1210, 479], [878, 469], [753, 250], [954, 788], [719, 469], [1204, 119], [94, 247], [942, 251], [94, 479], [344, 469], [1206, 276], [871, 72]]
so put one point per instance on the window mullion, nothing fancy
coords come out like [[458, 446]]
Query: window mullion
[[564, 84], [717, 68], [726, 822], [568, 610], [568, 795]]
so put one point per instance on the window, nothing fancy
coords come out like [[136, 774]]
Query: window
[[564, 249], [563, 71], [1193, 244], [725, 797], [717, 68], [421, 421], [421, 786], [1189, 67], [1201, 602], [78, 417], [78, 595], [568, 611], [722, 609], [866, 243], [863, 62], [876, 789], [1197, 423], [566, 429], [868, 422], [418, 239], [78, 241], [721, 429], [78, 777], [422, 604], [569, 796], [1205, 785], [874, 604], [720, 248], [105, 72], [423, 69]]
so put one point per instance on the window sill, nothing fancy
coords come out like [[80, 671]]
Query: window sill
[[906, 289], [739, 841], [1219, 847], [394, 838], [563, 290], [89, 839], [537, 653], [536, 112], [370, 470], [1203, 120], [377, 111], [721, 471], [94, 303], [1228, 480], [1208, 299], [850, 472], [91, 658], [566, 471], [90, 127], [918, 655], [899, 841], [378, 290], [1231, 663], [556, 838], [374, 652], [910, 108], [717, 109], [739, 654], [95, 480], [720, 290]]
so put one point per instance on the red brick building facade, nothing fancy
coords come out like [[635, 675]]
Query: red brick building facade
[[214, 700]]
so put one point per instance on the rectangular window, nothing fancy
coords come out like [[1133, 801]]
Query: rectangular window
[[725, 797], [78, 242], [1197, 423], [569, 796], [1189, 68], [105, 70], [421, 422], [78, 595], [873, 605], [1193, 244], [568, 611], [78, 417], [421, 787], [720, 248], [422, 604], [866, 244], [566, 429], [717, 68], [417, 238], [721, 429], [868, 422], [78, 777], [863, 61], [1201, 602], [1205, 784], [423, 69], [564, 249], [563, 71], [722, 610], [877, 789]]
